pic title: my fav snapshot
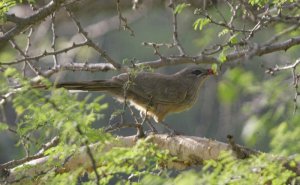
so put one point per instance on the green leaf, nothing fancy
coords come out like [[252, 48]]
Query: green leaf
[[227, 92], [180, 7], [3, 126], [10, 72], [223, 32], [258, 2], [214, 67], [222, 56], [233, 39], [200, 23]]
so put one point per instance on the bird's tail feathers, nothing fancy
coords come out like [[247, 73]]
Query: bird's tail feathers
[[99, 85]]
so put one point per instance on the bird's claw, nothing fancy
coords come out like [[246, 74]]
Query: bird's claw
[[174, 133]]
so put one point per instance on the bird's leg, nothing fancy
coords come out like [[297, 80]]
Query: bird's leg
[[124, 108], [140, 132], [153, 130], [172, 131], [139, 126], [145, 115]]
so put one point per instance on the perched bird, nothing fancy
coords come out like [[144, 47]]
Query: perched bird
[[155, 94]]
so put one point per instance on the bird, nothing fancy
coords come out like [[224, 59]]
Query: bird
[[153, 94]]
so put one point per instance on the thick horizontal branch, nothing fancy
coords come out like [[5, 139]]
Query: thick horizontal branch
[[176, 60], [166, 61], [91, 67], [264, 49], [189, 151], [204, 59]]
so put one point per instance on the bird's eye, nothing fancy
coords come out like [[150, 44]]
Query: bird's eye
[[196, 72]]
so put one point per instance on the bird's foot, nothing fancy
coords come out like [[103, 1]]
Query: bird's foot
[[151, 132], [140, 132], [172, 132]]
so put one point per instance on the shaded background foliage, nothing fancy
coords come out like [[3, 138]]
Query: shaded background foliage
[[244, 101], [255, 107]]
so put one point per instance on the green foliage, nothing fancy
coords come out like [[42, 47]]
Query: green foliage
[[214, 67], [3, 127], [223, 32], [270, 118], [200, 23], [264, 2], [222, 55], [5, 5], [57, 113], [121, 165], [262, 169], [233, 39], [258, 2], [180, 7], [43, 115], [285, 135], [236, 82]]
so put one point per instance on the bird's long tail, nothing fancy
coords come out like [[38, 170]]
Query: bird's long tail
[[98, 85]]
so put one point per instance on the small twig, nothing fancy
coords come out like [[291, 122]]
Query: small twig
[[296, 79], [222, 24], [4, 97], [282, 33], [54, 36], [280, 68], [32, 67], [253, 30], [123, 20], [27, 49], [89, 152], [175, 30], [45, 54], [54, 141], [156, 48], [119, 126], [90, 43], [295, 76], [233, 10]]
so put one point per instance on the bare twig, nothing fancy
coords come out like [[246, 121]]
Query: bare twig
[[296, 78], [175, 30], [119, 126], [26, 22], [4, 97], [54, 141], [45, 53], [53, 39], [282, 33], [123, 21], [90, 154], [34, 69], [156, 47], [280, 68], [90, 43], [27, 50]]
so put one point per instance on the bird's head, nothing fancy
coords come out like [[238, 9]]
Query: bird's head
[[195, 72]]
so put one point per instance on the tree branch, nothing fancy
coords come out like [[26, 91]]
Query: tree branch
[[189, 150]]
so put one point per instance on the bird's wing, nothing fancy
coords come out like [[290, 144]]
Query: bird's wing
[[158, 88]]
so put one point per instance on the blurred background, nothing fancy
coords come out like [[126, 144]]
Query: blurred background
[[242, 100]]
